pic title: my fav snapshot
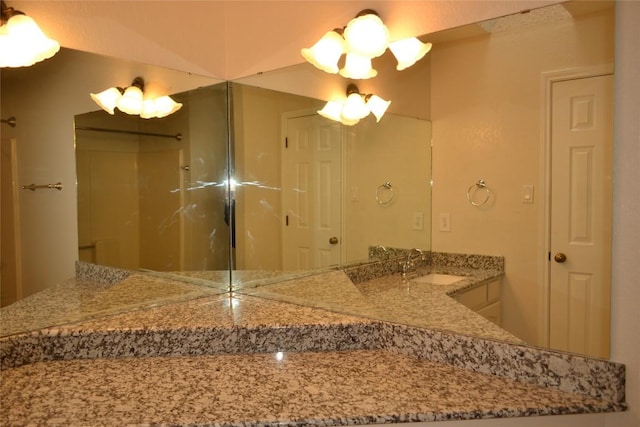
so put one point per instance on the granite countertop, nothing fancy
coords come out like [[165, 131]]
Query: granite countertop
[[394, 299], [281, 389], [250, 360], [80, 299]]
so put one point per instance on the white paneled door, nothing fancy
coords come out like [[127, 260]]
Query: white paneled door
[[580, 241], [311, 181]]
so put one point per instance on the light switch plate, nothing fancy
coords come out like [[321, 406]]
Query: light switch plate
[[527, 194], [445, 222], [417, 222]]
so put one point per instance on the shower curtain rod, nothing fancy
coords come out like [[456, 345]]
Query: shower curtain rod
[[177, 136]]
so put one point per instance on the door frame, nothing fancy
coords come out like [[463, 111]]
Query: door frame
[[343, 173], [14, 202], [547, 81]]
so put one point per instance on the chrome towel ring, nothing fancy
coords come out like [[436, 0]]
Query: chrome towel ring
[[385, 193], [480, 185]]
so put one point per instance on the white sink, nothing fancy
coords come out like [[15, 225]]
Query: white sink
[[439, 279]]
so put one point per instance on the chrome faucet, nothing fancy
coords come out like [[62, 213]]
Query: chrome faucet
[[409, 264]]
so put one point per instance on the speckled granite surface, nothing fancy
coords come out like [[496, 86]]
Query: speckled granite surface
[[564, 371], [208, 325], [289, 389], [391, 298], [79, 299], [250, 360]]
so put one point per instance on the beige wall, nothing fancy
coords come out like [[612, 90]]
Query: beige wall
[[398, 150], [481, 130]]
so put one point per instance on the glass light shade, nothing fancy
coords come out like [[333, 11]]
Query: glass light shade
[[165, 105], [408, 51], [149, 110], [25, 43], [354, 108], [367, 36], [348, 122], [357, 67], [331, 110], [10, 55], [107, 99], [326, 53], [377, 106], [131, 101]]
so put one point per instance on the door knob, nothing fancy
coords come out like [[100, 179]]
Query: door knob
[[560, 257], [333, 240]]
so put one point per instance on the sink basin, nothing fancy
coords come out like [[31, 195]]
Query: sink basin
[[438, 279]]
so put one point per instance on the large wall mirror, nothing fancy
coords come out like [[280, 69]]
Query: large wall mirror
[[473, 109], [312, 194], [137, 194], [485, 92], [168, 179]]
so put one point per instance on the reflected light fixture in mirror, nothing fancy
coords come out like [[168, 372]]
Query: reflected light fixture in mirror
[[132, 101], [365, 37], [22, 42], [355, 107]]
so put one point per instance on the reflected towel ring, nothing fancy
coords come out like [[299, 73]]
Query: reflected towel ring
[[471, 192], [385, 188]]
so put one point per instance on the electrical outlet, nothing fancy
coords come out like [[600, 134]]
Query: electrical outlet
[[445, 222]]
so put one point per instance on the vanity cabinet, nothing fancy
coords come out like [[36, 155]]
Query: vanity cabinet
[[483, 299]]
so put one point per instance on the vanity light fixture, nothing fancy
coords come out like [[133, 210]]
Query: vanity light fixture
[[408, 51], [327, 51], [365, 37], [132, 101], [22, 42], [355, 107]]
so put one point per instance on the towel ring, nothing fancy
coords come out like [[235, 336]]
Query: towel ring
[[471, 192], [381, 190]]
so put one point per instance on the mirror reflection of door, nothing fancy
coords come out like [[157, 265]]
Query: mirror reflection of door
[[580, 244], [311, 193]]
